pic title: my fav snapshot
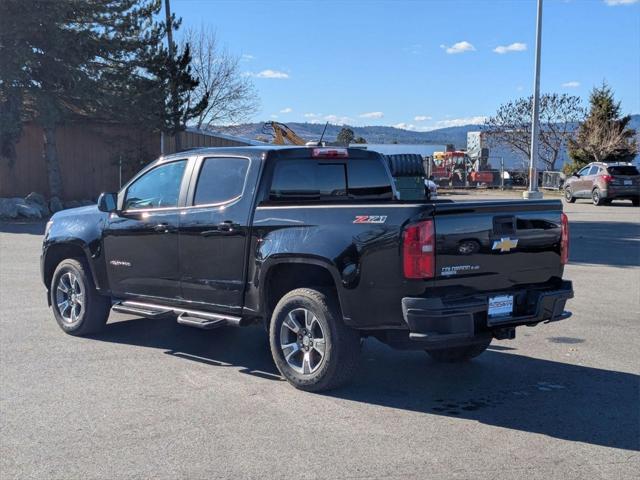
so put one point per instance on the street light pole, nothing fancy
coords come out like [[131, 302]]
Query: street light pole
[[533, 192]]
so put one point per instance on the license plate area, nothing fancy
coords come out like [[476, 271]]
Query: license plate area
[[500, 308], [628, 182]]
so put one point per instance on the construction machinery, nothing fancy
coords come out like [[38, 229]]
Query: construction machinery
[[455, 168], [282, 134]]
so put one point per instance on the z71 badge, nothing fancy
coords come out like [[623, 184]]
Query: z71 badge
[[370, 219]]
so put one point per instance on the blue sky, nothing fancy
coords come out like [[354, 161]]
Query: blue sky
[[420, 64]]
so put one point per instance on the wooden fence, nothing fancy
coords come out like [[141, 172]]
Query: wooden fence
[[93, 157]]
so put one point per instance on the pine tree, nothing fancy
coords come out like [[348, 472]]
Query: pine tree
[[604, 136], [99, 59]]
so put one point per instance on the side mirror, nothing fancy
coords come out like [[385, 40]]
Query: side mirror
[[575, 174], [108, 202]]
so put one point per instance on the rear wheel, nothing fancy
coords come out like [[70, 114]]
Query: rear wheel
[[77, 306], [568, 195], [312, 347], [596, 197], [636, 202], [459, 354]]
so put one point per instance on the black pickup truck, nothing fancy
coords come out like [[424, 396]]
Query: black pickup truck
[[314, 243]]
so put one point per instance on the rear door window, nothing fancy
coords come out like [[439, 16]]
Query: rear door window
[[221, 180], [594, 170], [623, 170]]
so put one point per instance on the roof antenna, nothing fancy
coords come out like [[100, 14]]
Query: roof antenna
[[322, 136]]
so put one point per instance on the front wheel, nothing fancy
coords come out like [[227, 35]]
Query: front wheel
[[78, 308], [311, 346], [459, 354]]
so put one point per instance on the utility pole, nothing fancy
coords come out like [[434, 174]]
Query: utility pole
[[533, 192], [175, 107]]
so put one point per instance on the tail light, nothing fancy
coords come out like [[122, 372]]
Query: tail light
[[564, 240], [330, 153], [606, 178], [418, 255]]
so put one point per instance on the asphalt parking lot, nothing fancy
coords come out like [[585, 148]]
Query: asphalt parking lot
[[152, 399]]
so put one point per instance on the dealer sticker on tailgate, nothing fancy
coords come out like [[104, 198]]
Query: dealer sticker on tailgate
[[500, 306]]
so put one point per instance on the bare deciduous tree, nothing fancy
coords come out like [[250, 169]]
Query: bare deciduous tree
[[511, 125], [231, 95]]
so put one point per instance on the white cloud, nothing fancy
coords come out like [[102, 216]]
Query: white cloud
[[337, 119], [372, 115], [614, 3], [514, 47], [286, 110], [519, 88], [270, 74], [459, 47], [274, 115], [458, 122], [421, 118], [572, 84], [246, 57]]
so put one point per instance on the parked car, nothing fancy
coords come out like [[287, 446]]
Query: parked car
[[314, 244], [603, 183]]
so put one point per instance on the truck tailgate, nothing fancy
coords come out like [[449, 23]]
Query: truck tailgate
[[497, 245]]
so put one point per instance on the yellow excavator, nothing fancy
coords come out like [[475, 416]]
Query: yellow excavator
[[282, 134]]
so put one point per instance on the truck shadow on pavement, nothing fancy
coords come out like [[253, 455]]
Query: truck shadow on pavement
[[605, 243], [500, 388]]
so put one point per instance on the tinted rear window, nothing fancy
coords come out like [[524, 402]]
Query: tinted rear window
[[308, 180], [623, 170], [368, 180]]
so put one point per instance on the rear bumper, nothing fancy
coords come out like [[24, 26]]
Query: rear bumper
[[620, 191], [439, 323]]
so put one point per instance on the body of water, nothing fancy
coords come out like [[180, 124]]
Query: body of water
[[394, 148]]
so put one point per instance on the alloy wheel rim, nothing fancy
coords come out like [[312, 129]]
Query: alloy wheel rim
[[596, 196], [69, 297], [302, 341]]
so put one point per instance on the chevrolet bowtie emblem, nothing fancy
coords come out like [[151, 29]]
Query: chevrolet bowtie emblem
[[504, 244]]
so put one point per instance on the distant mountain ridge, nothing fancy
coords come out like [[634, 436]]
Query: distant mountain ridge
[[375, 133]]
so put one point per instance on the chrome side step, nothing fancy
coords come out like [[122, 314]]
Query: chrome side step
[[188, 317], [140, 309], [191, 320]]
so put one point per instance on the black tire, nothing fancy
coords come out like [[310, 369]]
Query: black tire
[[568, 196], [94, 309], [459, 354], [596, 197], [636, 202], [341, 343]]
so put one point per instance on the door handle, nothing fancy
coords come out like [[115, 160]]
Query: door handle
[[227, 226], [161, 227]]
